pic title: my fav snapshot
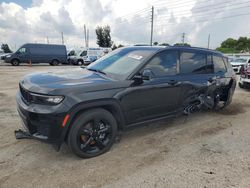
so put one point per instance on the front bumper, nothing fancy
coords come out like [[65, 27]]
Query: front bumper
[[41, 121], [245, 80]]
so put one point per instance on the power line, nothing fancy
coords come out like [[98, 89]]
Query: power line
[[169, 3], [182, 4], [221, 18], [128, 20], [211, 10], [203, 16], [134, 13]]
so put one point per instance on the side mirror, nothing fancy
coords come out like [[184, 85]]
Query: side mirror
[[146, 74]]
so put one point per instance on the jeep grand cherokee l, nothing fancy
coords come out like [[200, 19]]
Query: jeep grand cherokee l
[[130, 86]]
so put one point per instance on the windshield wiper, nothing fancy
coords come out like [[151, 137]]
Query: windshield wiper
[[96, 70]]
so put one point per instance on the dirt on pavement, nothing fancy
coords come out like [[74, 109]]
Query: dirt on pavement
[[205, 149]]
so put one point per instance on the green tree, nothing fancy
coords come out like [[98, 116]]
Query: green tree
[[114, 47], [231, 45], [155, 43], [120, 46], [182, 44], [164, 44], [103, 36], [5, 48]]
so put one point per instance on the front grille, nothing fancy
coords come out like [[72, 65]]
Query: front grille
[[25, 94]]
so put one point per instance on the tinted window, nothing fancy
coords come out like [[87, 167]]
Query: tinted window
[[71, 53], [193, 62], [22, 50], [84, 53], [219, 65], [210, 66], [164, 63]]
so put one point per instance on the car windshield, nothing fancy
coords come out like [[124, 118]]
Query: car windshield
[[121, 62]]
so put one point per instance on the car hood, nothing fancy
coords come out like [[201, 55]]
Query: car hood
[[69, 80], [238, 63]]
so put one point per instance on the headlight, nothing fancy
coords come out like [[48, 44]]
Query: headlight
[[46, 99], [243, 76], [7, 56]]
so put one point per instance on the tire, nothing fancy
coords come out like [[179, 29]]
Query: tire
[[241, 85], [79, 62], [54, 62], [92, 133], [15, 62]]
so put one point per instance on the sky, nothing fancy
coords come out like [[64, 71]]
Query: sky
[[42, 21]]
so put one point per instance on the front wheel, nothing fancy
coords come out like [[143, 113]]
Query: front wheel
[[92, 133], [54, 62], [79, 62], [15, 62], [241, 85]]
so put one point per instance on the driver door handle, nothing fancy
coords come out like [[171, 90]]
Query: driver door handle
[[173, 82]]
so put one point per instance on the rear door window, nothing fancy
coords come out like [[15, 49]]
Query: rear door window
[[192, 62], [219, 65]]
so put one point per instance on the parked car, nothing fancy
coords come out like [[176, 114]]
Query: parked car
[[38, 53], [244, 81], [129, 86], [238, 64], [86, 56], [3, 55]]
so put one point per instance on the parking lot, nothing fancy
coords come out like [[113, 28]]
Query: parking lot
[[205, 149]]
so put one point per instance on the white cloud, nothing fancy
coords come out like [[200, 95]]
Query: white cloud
[[48, 18]]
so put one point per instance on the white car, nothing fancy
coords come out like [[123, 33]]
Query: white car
[[238, 63]]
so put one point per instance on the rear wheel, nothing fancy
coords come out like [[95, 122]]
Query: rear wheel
[[15, 62], [54, 62], [92, 133], [223, 96]]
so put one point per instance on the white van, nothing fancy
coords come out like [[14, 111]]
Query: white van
[[87, 55]]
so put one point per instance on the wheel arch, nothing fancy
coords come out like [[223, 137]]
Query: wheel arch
[[111, 105], [15, 58], [55, 59]]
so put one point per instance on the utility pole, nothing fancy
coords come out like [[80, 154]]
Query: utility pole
[[152, 26], [62, 38], [208, 41], [183, 38], [85, 36], [47, 40]]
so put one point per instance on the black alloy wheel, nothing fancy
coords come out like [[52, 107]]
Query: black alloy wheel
[[92, 133]]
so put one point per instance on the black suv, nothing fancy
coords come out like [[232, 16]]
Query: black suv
[[86, 107]]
